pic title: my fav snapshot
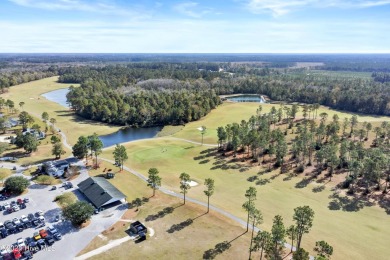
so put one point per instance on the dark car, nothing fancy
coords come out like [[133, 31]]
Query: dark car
[[41, 244], [10, 226], [57, 236], [49, 240], [3, 233], [36, 222], [22, 205], [30, 217], [27, 254], [20, 227], [28, 224], [69, 185], [7, 256]]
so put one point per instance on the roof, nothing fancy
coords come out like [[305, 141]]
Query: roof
[[100, 191]]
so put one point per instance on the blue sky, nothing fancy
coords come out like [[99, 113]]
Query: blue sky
[[195, 26]]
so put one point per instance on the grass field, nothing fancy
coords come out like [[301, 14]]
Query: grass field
[[35, 104], [354, 235], [230, 112], [174, 237]]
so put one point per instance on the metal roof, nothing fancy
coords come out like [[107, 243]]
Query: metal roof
[[100, 191]]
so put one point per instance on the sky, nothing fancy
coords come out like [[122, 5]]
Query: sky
[[194, 26]]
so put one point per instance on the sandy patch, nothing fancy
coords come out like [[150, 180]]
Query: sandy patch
[[193, 183], [151, 232]]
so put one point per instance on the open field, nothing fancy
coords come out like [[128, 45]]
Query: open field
[[230, 112], [185, 233], [73, 126], [356, 230]]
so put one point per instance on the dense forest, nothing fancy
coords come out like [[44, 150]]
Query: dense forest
[[204, 80], [187, 85]]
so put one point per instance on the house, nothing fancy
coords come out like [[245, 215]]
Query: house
[[38, 134], [137, 227], [100, 192], [55, 168]]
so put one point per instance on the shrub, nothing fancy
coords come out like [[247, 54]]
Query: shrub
[[16, 184], [65, 199], [45, 180], [78, 212]]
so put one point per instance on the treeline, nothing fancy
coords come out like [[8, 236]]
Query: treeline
[[115, 76], [335, 145], [354, 95], [8, 79], [381, 77]]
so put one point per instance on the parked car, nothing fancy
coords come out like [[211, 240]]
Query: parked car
[[57, 218], [36, 222], [7, 256], [27, 254], [42, 219], [3, 233], [41, 244], [30, 217], [43, 233], [16, 221], [57, 236], [53, 188], [15, 208], [24, 219], [52, 230], [37, 236], [26, 200], [39, 213], [16, 253], [20, 242], [22, 205], [1, 225], [49, 240], [19, 201]]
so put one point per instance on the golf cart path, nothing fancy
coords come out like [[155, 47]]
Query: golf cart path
[[102, 249]]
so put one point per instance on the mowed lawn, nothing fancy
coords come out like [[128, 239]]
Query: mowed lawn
[[354, 235], [230, 112], [35, 104]]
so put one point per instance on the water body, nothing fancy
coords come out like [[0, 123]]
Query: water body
[[58, 96], [121, 136], [246, 98], [129, 134]]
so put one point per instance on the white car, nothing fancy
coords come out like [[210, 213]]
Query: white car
[[20, 242], [52, 230], [39, 213], [16, 221], [24, 219], [3, 251], [15, 208], [41, 218], [26, 200]]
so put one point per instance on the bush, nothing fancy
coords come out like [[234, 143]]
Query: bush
[[45, 180], [65, 199], [78, 212], [16, 184]]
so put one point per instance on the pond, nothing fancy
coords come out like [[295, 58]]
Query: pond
[[58, 96], [128, 135], [246, 98], [121, 136]]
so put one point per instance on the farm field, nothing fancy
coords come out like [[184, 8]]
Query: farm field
[[72, 125]]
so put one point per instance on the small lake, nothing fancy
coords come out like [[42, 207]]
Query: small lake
[[58, 96], [128, 135], [123, 135], [246, 98]]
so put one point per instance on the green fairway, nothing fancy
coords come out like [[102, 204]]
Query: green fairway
[[354, 235], [35, 104], [230, 112]]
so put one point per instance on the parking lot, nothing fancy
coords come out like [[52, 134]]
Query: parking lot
[[73, 240]]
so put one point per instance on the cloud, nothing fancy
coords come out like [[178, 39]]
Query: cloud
[[191, 9], [282, 7], [75, 5]]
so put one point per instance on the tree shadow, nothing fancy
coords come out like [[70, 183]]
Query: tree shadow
[[288, 177], [252, 178], [303, 183], [180, 226], [204, 161], [345, 203], [385, 204], [218, 249], [262, 182], [160, 214], [318, 188]]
